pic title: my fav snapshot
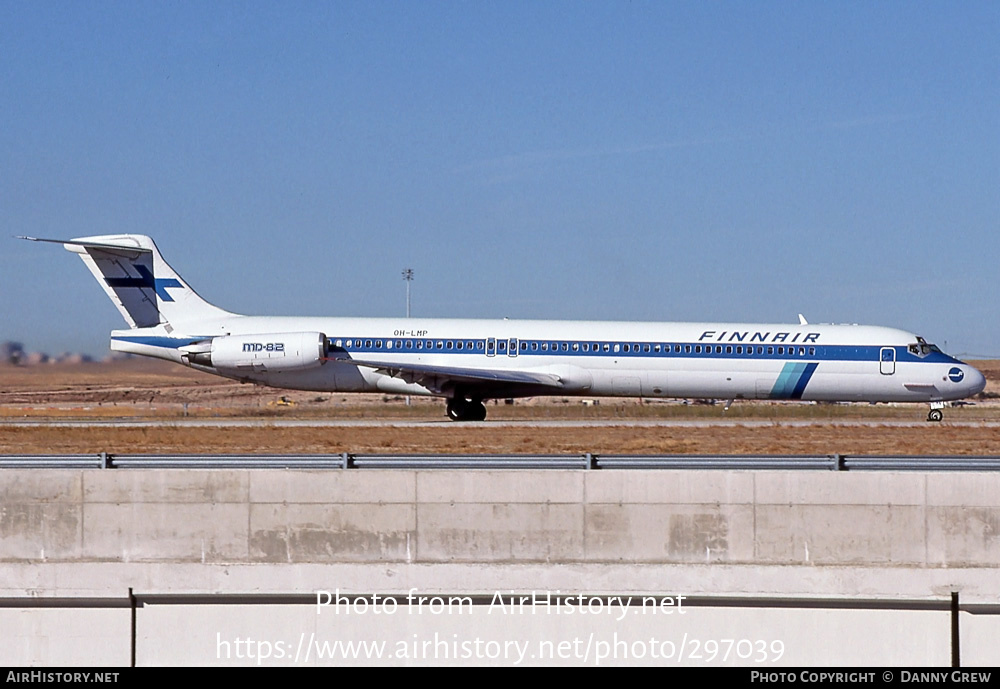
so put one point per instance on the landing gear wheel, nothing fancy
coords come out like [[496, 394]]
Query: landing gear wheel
[[466, 410], [935, 415], [457, 409], [477, 411]]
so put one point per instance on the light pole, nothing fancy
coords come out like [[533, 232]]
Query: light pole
[[408, 276]]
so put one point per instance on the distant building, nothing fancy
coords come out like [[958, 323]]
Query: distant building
[[11, 352], [35, 358], [73, 358]]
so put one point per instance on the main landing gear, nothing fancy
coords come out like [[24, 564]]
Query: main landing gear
[[935, 414], [460, 409]]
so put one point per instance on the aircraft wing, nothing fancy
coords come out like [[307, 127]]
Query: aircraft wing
[[438, 378]]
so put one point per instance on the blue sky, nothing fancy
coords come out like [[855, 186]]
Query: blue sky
[[728, 161]]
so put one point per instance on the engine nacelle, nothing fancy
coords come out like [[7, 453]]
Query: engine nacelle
[[271, 352]]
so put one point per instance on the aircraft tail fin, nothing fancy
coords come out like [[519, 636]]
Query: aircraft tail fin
[[138, 281]]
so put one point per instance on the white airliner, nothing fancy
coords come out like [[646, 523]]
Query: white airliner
[[468, 361]]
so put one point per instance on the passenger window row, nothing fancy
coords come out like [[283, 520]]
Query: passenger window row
[[456, 345], [535, 346]]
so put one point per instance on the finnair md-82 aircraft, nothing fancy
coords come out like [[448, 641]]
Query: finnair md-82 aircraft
[[468, 361]]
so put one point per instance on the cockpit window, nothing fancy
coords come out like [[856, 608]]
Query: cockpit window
[[921, 348]]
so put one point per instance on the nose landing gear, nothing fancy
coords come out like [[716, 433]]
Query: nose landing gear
[[935, 414], [460, 409]]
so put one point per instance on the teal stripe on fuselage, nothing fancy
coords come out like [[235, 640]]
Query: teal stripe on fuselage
[[792, 380]]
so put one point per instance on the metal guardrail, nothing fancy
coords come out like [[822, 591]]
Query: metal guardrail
[[586, 461], [468, 461], [729, 462], [52, 461], [909, 463], [243, 461]]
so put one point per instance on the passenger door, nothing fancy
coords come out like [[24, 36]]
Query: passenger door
[[887, 361]]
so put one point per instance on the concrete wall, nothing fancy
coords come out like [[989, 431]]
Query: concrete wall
[[900, 537]]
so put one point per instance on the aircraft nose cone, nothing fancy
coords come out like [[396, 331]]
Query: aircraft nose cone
[[975, 380]]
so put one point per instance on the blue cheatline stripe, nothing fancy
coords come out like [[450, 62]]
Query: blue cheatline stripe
[[787, 384], [637, 350], [165, 342], [792, 380]]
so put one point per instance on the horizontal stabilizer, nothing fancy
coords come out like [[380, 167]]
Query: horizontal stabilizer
[[116, 249]]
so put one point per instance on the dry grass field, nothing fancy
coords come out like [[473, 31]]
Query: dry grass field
[[144, 389]]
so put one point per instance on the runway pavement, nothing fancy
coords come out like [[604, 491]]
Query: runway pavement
[[538, 423]]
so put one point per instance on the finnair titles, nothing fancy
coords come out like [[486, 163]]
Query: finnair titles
[[757, 336], [469, 361]]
